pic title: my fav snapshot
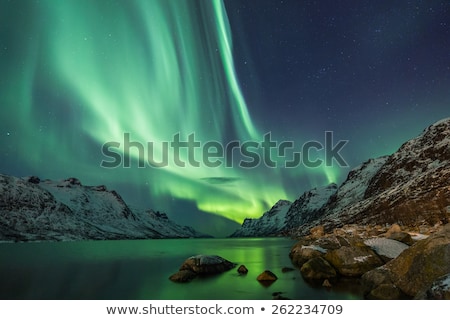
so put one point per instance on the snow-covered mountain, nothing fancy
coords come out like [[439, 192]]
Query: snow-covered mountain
[[346, 198], [411, 187], [284, 215], [31, 209], [308, 207], [271, 223]]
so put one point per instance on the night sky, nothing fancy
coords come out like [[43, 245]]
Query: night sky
[[76, 74]]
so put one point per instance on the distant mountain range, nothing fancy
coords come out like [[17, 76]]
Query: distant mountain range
[[410, 187], [31, 209]]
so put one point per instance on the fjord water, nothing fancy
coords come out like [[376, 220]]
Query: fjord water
[[139, 269]]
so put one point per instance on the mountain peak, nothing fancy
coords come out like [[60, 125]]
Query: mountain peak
[[409, 187], [35, 209]]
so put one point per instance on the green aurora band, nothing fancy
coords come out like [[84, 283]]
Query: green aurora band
[[149, 68]]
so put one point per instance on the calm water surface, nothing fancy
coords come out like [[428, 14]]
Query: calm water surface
[[139, 269]]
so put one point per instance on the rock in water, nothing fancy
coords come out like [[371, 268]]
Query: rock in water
[[326, 283], [385, 292], [317, 269], [183, 276], [242, 269], [204, 264], [201, 265], [267, 276]]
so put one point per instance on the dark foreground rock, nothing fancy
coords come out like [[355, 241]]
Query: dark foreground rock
[[183, 276], [317, 269], [348, 256], [204, 264], [439, 290], [201, 265], [385, 292], [353, 261], [416, 268], [384, 267]]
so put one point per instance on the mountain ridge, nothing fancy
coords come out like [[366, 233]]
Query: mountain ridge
[[409, 187], [31, 209]]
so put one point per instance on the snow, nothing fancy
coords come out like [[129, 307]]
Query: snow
[[361, 258], [441, 122], [386, 247], [418, 236], [442, 284], [319, 196], [316, 248], [353, 189], [446, 282]]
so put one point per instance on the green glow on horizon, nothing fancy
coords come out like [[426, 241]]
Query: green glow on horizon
[[150, 68]]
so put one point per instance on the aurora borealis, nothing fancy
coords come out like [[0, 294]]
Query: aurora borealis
[[75, 74]]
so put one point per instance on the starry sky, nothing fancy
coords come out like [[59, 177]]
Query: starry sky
[[76, 74]]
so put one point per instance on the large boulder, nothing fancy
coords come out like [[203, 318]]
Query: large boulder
[[374, 278], [353, 261], [416, 270], [302, 252], [317, 269], [307, 249], [183, 276], [204, 264], [201, 265], [385, 291]]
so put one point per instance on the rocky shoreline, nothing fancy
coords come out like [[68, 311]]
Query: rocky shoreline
[[386, 262], [390, 262]]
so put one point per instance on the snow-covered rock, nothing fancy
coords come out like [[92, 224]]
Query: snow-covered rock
[[439, 289], [386, 247], [32, 209]]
